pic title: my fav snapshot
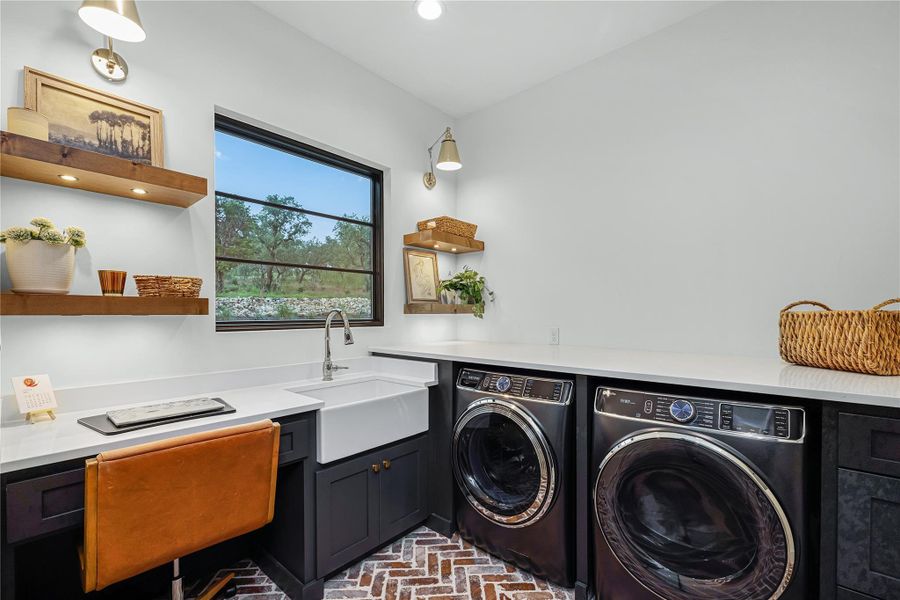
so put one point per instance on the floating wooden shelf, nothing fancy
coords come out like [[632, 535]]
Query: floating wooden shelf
[[436, 308], [58, 304], [442, 242], [36, 160]]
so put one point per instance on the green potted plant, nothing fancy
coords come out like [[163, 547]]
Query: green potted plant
[[40, 258], [471, 288]]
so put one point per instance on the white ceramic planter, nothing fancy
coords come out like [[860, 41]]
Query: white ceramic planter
[[37, 267]]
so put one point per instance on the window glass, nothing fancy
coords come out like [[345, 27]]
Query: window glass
[[296, 232]]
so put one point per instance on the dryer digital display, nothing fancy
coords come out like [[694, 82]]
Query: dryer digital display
[[752, 419]]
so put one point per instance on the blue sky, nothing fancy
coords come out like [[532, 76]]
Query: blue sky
[[256, 171]]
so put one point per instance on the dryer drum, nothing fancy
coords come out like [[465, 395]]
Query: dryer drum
[[690, 520], [503, 463]]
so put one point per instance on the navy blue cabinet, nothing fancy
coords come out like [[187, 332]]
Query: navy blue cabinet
[[860, 557], [869, 534], [368, 500]]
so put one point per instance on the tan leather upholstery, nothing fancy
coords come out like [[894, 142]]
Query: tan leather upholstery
[[147, 505]]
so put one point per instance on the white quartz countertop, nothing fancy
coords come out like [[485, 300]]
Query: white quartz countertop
[[743, 374], [24, 445]]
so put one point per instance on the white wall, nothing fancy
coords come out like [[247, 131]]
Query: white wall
[[672, 195], [675, 194], [199, 55]]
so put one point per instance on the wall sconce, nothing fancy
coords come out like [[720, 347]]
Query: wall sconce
[[117, 19], [448, 158]]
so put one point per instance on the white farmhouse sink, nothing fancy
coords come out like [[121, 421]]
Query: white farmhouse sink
[[360, 415]]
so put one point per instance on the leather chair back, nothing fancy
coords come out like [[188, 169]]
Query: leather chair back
[[149, 504]]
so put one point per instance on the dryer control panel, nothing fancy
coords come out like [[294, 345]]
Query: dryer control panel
[[534, 388], [761, 420]]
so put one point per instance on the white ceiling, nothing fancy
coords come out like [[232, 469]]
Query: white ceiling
[[479, 52]]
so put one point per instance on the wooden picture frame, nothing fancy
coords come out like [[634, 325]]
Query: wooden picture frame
[[422, 280], [90, 119]]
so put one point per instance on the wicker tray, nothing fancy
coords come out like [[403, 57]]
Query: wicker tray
[[449, 225], [168, 286], [863, 341]]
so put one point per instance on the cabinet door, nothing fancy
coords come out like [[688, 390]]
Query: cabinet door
[[346, 513], [868, 530], [402, 486]]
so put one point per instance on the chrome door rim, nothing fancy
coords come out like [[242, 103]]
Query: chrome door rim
[[791, 557], [547, 488]]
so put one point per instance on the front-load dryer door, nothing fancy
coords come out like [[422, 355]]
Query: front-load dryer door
[[503, 463], [690, 520]]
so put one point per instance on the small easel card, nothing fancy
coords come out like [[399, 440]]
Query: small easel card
[[35, 397]]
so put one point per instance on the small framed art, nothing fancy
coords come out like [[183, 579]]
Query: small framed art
[[421, 270]]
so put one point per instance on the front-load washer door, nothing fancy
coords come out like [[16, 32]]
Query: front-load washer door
[[690, 520], [503, 463]]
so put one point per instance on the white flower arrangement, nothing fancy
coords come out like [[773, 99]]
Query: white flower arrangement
[[44, 230]]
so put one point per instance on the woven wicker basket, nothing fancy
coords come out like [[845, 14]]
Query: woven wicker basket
[[168, 286], [449, 225], [863, 341]]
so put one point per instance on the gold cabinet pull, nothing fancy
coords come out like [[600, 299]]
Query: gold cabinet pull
[[375, 468], [386, 463]]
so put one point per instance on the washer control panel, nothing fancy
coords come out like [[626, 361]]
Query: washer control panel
[[780, 422], [535, 388]]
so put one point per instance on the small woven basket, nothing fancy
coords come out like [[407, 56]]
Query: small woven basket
[[862, 341], [168, 286], [449, 225]]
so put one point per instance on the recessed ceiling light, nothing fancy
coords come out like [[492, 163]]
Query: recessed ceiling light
[[139, 191], [68, 178], [429, 9]]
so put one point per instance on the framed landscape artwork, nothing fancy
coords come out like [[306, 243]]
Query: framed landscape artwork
[[421, 270], [83, 117]]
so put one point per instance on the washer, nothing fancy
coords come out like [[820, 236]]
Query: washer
[[513, 463], [698, 499]]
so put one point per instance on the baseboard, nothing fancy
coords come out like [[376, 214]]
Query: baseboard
[[582, 591], [443, 526], [287, 581], [314, 590]]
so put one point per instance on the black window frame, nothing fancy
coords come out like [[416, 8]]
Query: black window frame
[[279, 142]]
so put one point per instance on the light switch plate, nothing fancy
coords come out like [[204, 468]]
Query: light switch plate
[[554, 336]]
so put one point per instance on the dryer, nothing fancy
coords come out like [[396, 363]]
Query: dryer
[[697, 498], [513, 459]]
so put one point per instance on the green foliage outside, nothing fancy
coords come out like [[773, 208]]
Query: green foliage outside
[[278, 235]]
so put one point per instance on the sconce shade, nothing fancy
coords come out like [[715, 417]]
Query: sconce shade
[[117, 19], [448, 158]]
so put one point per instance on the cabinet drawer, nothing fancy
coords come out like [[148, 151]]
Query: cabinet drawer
[[869, 444], [868, 530], [44, 505], [296, 437]]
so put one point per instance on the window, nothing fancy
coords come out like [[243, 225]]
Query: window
[[298, 233]]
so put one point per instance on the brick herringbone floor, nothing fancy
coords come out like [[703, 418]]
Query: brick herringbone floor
[[251, 583], [426, 564]]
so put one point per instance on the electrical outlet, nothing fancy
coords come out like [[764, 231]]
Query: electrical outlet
[[554, 336]]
